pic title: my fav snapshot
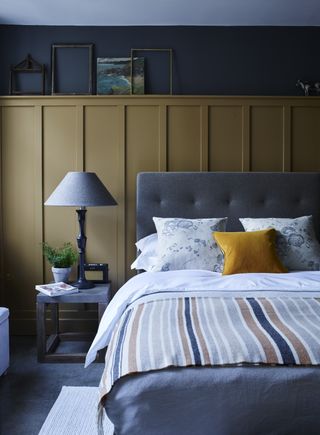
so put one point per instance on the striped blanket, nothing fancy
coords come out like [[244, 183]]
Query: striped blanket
[[213, 331]]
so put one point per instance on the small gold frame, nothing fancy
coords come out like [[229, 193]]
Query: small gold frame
[[169, 50]]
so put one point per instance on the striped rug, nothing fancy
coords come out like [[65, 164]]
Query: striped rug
[[75, 413], [213, 331]]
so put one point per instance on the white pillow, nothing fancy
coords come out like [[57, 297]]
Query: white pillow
[[297, 245], [148, 243], [148, 258], [188, 244]]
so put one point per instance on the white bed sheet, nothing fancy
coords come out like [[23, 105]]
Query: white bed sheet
[[194, 281]]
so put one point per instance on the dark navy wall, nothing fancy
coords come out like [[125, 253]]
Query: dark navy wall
[[207, 60]]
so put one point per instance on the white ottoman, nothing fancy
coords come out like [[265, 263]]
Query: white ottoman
[[4, 339]]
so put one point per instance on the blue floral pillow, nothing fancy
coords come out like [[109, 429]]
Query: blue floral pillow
[[188, 244], [297, 245]]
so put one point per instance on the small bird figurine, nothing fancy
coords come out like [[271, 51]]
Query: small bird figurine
[[305, 86], [317, 87]]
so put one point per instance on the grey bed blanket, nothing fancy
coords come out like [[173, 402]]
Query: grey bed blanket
[[256, 400]]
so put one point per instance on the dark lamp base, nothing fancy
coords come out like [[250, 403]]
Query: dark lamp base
[[83, 284]]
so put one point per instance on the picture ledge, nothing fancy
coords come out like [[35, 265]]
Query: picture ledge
[[157, 96]]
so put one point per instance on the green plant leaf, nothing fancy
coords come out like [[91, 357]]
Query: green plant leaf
[[64, 256]]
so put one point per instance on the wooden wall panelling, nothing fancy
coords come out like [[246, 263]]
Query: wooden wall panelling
[[246, 138], [184, 138], [2, 293], [163, 138], [306, 138], [59, 157], [204, 137], [143, 153], [103, 155], [122, 199], [225, 138], [80, 141], [117, 137], [21, 236], [61, 151], [266, 138], [287, 138], [38, 190]]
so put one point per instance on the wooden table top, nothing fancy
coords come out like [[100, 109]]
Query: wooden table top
[[97, 294]]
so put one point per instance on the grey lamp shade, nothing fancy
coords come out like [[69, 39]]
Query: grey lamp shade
[[81, 189]]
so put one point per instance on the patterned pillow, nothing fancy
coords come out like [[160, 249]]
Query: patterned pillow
[[188, 244], [296, 244]]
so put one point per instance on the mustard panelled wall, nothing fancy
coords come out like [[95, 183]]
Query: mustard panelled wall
[[42, 138]]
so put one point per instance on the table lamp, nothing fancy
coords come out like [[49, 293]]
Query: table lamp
[[81, 189]]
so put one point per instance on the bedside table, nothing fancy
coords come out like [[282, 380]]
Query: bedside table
[[100, 294]]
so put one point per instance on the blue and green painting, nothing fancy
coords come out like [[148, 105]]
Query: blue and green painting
[[114, 75]]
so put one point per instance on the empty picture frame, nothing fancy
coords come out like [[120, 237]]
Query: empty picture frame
[[27, 66], [88, 65], [170, 69]]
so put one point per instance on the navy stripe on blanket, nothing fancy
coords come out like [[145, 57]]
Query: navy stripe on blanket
[[193, 340], [284, 349]]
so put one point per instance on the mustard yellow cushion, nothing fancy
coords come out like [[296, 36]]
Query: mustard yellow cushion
[[249, 252]]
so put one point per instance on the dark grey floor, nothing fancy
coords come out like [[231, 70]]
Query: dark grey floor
[[29, 389]]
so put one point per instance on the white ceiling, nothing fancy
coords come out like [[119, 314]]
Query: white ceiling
[[161, 12]]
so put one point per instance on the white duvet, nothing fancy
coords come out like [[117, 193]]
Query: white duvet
[[198, 281]]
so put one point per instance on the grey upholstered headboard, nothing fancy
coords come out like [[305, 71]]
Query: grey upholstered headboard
[[231, 194]]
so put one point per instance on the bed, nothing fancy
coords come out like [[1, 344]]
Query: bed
[[219, 399]]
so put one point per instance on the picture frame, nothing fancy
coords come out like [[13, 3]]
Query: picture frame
[[54, 48], [98, 273], [27, 66], [114, 76], [168, 50]]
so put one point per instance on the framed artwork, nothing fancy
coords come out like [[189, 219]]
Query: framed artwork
[[63, 58], [116, 77]]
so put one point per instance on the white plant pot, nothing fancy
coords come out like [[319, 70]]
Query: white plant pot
[[61, 273]]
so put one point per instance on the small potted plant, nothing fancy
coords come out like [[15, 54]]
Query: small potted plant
[[61, 260]]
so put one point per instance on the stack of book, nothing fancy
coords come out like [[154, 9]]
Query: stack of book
[[57, 289]]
